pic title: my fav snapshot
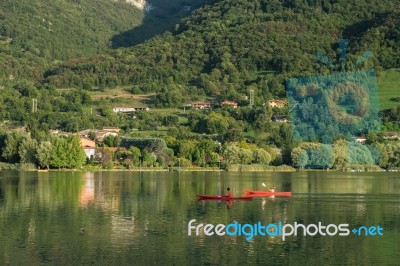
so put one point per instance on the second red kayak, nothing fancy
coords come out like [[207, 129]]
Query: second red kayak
[[260, 193], [210, 197]]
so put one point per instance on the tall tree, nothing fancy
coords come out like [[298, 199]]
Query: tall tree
[[58, 156], [76, 156], [27, 150], [43, 153], [11, 148]]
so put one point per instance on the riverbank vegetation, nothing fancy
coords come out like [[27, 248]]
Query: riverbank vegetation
[[64, 151]]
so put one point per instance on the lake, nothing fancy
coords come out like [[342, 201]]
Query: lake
[[132, 218]]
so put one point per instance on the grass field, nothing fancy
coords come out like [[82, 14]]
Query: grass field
[[121, 96], [118, 95], [389, 87]]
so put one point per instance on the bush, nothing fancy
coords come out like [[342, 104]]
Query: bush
[[395, 99], [8, 166], [27, 166]]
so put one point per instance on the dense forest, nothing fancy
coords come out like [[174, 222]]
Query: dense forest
[[227, 47]]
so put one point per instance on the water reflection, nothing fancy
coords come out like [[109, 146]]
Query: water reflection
[[87, 191], [142, 218]]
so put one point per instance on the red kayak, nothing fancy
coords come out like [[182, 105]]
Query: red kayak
[[260, 193], [208, 197]]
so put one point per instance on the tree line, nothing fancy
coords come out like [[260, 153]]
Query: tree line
[[344, 154], [56, 152]]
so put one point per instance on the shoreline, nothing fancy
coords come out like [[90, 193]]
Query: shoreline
[[231, 168], [198, 170]]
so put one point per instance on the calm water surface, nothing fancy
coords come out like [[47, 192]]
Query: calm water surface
[[142, 218]]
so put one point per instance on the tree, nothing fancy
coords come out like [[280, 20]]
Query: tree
[[325, 157], [187, 148], [76, 156], [27, 150], [302, 160], [231, 154], [136, 154], [149, 158], [206, 148], [58, 157], [261, 156], [299, 157], [394, 159], [112, 141], [107, 159], [43, 153], [92, 135], [245, 156], [340, 157], [11, 148], [359, 154]]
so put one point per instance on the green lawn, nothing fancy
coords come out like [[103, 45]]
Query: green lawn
[[182, 114], [389, 87]]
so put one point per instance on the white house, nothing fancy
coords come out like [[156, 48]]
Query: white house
[[119, 109]]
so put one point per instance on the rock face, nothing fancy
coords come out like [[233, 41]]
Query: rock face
[[141, 4]]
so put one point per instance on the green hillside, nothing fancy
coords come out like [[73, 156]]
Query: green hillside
[[37, 34], [389, 88], [221, 50], [58, 29], [226, 48]]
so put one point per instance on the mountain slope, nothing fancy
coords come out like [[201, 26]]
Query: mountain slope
[[227, 47], [56, 29], [35, 33]]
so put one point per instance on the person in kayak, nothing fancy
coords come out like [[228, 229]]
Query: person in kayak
[[229, 193], [270, 189]]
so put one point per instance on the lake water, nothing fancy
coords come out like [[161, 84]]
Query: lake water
[[131, 218]]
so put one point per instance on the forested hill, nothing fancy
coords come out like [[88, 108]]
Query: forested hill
[[35, 34], [229, 46]]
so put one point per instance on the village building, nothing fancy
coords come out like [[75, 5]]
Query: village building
[[54, 131], [120, 109], [278, 103], [202, 105], [85, 133], [391, 136], [142, 108], [61, 133], [360, 140], [85, 142], [112, 129], [89, 147], [280, 119], [127, 110], [229, 103]]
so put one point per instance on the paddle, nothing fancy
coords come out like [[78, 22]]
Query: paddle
[[264, 185]]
